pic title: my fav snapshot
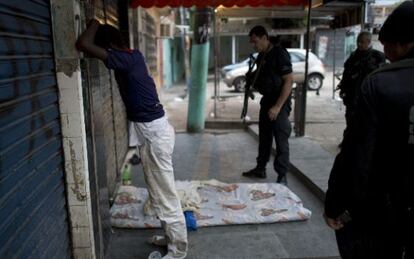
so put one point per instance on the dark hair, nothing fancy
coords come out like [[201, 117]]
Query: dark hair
[[107, 34], [365, 34], [259, 31]]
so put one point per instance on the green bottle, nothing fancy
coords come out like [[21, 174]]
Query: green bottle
[[126, 175]]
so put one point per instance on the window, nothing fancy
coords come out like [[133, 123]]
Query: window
[[296, 57]]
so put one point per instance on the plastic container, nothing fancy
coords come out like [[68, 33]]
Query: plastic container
[[190, 221]]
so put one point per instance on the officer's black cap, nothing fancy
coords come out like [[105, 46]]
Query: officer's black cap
[[399, 26]]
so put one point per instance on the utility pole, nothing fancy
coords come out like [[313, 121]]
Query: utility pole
[[199, 70], [301, 94]]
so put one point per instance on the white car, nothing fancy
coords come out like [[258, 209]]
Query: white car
[[234, 74]]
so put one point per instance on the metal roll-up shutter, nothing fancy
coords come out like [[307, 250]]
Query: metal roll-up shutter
[[110, 113], [120, 120], [33, 209], [106, 126]]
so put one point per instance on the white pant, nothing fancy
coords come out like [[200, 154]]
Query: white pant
[[133, 138], [156, 140]]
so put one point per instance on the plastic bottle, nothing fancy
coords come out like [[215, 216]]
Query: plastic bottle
[[126, 175]]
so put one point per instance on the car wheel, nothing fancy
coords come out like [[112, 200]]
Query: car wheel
[[315, 82], [239, 83]]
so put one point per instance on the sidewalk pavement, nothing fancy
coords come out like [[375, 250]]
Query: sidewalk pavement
[[223, 154]]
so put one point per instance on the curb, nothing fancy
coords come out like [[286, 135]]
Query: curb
[[227, 124]]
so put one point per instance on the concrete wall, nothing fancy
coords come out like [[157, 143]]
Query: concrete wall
[[73, 128], [94, 126]]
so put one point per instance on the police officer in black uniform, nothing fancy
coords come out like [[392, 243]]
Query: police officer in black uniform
[[370, 196], [274, 81], [359, 65]]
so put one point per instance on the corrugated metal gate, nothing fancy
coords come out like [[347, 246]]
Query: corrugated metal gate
[[33, 212]]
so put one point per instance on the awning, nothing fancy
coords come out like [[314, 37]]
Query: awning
[[215, 3]]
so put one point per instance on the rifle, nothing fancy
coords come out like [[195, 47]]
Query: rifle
[[250, 79]]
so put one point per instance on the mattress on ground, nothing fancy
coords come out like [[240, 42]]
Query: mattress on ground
[[214, 203]]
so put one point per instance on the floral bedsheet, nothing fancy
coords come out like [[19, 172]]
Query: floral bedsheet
[[214, 203]]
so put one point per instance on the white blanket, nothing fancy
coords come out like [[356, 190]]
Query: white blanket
[[217, 203]]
